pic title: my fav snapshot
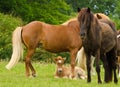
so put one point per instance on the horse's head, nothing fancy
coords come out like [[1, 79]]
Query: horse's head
[[59, 62], [84, 18], [101, 16]]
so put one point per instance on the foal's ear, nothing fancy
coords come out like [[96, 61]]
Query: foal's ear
[[78, 9], [88, 10], [99, 17], [64, 58], [55, 59]]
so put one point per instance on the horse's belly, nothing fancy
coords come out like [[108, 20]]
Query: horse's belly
[[55, 48], [107, 46]]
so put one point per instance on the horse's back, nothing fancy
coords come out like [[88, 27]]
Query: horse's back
[[108, 35]]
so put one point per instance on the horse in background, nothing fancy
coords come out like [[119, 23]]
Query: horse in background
[[99, 39], [53, 38]]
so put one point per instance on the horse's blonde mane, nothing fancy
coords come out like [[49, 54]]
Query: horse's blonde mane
[[72, 19]]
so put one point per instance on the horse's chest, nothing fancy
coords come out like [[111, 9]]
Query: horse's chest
[[90, 47]]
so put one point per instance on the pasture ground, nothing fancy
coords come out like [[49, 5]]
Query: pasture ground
[[45, 77]]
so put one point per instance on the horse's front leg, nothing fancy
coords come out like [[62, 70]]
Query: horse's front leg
[[88, 64], [73, 54], [98, 65], [28, 63]]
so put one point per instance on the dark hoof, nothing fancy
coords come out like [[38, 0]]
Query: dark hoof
[[88, 81], [116, 81], [99, 82], [34, 75]]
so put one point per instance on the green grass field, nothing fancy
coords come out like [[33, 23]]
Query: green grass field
[[45, 78]]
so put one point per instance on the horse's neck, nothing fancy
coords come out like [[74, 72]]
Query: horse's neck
[[75, 26], [93, 33]]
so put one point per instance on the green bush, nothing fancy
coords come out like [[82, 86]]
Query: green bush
[[7, 25]]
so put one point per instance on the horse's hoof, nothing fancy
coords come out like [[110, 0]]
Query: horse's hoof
[[116, 81], [106, 81], [99, 82], [88, 81], [34, 75]]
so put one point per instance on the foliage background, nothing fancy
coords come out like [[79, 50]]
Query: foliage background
[[15, 13]]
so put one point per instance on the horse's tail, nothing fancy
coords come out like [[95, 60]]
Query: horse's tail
[[81, 59], [17, 48]]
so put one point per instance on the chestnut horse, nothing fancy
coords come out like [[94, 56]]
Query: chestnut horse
[[100, 40], [53, 38]]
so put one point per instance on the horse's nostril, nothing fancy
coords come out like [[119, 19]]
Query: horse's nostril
[[82, 35], [60, 70]]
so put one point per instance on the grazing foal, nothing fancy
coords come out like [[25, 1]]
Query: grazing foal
[[64, 72]]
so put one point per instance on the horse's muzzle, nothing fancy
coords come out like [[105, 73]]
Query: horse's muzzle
[[82, 35], [60, 70]]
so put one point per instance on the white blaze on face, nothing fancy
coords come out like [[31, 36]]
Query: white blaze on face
[[60, 67], [118, 36], [59, 61]]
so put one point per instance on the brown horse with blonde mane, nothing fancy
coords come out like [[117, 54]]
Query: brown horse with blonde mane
[[100, 40], [53, 38]]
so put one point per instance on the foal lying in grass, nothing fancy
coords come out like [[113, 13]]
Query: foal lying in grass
[[65, 72]]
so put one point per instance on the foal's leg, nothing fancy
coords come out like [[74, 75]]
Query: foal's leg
[[28, 63], [73, 54]]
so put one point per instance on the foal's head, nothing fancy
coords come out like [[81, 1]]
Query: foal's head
[[59, 62], [85, 17]]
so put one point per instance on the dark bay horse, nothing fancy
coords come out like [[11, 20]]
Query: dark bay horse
[[99, 39], [54, 38]]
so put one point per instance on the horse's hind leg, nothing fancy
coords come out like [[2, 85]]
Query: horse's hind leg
[[106, 68], [28, 63], [119, 66], [112, 61]]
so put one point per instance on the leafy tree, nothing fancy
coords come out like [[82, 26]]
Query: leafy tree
[[44, 10], [115, 15], [7, 25], [104, 6]]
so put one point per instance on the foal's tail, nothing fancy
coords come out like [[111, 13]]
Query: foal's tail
[[17, 48]]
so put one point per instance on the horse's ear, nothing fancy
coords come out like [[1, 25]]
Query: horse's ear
[[78, 9], [99, 17], [64, 58], [55, 59], [88, 10]]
